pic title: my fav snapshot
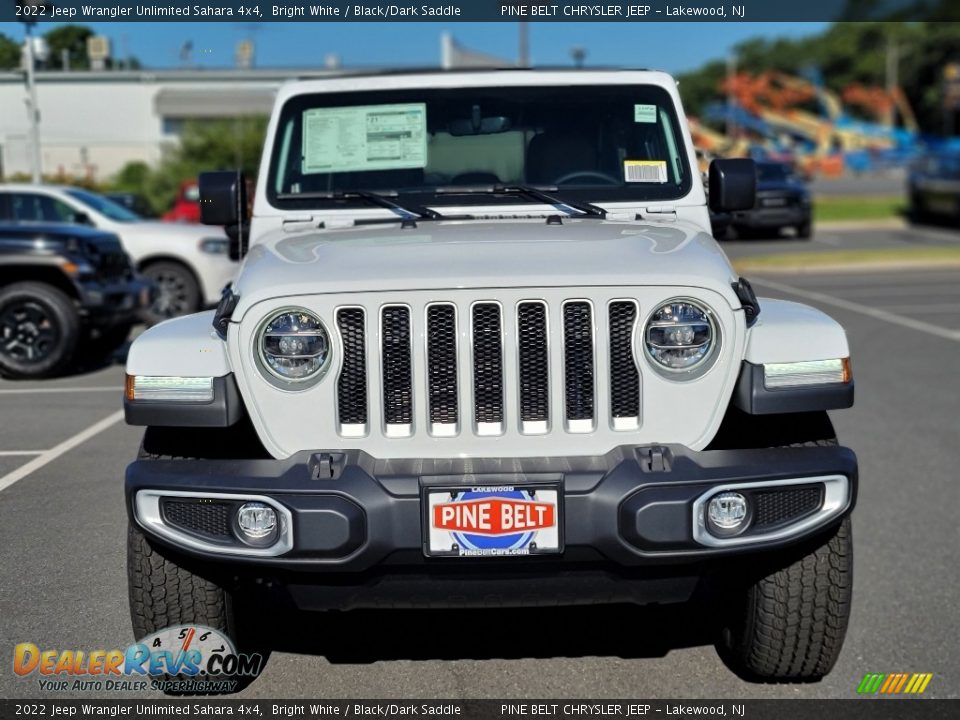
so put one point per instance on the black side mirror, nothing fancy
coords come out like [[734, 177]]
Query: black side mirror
[[81, 218], [733, 184], [223, 201]]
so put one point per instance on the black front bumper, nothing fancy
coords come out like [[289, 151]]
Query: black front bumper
[[105, 303], [351, 513]]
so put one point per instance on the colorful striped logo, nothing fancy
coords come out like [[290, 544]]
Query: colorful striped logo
[[894, 683]]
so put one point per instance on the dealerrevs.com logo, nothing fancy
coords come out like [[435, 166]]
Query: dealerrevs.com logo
[[894, 683], [180, 658]]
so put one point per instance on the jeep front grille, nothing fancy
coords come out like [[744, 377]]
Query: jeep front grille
[[487, 368]]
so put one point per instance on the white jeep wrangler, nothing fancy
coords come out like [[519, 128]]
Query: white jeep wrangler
[[483, 350]]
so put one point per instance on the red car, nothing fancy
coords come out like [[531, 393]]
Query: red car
[[186, 208]]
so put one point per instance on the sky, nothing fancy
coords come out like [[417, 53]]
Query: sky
[[674, 47]]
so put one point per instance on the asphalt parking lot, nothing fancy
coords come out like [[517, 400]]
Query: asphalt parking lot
[[63, 449]]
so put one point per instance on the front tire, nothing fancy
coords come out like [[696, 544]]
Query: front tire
[[789, 625], [39, 330], [164, 593]]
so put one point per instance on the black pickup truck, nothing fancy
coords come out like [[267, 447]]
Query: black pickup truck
[[64, 289]]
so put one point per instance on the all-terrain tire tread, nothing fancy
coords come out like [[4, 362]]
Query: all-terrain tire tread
[[163, 593], [796, 618]]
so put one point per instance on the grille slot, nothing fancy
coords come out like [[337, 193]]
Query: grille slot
[[442, 368], [779, 507], [533, 359], [624, 378], [578, 364], [352, 383], [209, 519], [397, 381], [487, 368]]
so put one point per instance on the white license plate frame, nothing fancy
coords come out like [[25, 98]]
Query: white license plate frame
[[451, 540]]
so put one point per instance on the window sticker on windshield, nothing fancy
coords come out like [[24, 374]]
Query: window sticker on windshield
[[645, 171], [367, 137], [645, 113]]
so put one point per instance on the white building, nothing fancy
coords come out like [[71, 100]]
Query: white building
[[93, 123]]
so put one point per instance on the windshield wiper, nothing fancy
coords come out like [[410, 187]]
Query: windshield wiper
[[539, 194], [381, 199]]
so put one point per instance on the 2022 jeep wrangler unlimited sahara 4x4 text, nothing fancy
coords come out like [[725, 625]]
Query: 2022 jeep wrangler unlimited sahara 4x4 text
[[484, 350]]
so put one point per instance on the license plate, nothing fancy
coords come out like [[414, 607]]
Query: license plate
[[774, 202], [492, 521]]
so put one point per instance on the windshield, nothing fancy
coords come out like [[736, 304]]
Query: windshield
[[607, 143], [102, 205], [773, 172]]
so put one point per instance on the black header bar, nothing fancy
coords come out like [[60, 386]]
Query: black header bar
[[629, 11]]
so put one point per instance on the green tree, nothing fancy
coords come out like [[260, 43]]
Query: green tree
[[9, 53], [73, 39], [215, 144]]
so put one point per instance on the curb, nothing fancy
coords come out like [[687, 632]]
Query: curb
[[852, 267], [841, 225]]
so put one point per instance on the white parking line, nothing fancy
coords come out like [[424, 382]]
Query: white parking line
[[873, 312], [53, 453], [15, 453], [25, 391], [953, 307]]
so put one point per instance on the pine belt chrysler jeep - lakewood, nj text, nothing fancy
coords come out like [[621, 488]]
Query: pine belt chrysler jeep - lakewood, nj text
[[483, 349]]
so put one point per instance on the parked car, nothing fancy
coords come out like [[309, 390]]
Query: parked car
[[933, 186], [189, 265], [186, 208], [783, 201], [63, 289], [133, 202], [515, 369]]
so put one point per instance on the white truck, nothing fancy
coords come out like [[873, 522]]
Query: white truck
[[483, 350]]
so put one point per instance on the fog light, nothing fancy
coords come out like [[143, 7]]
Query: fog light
[[727, 513], [257, 523]]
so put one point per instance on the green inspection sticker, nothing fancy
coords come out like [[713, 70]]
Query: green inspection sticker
[[645, 113]]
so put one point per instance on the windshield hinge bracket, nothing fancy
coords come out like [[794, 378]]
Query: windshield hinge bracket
[[300, 222], [658, 212]]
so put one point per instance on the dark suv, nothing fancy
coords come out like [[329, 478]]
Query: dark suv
[[63, 287]]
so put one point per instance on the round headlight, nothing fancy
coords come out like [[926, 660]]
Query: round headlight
[[294, 346], [680, 335]]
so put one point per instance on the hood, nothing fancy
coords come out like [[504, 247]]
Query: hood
[[483, 254]]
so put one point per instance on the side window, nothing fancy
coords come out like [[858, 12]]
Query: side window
[[5, 207], [61, 211], [32, 207]]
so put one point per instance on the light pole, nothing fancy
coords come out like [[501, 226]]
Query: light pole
[[33, 111], [523, 51]]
